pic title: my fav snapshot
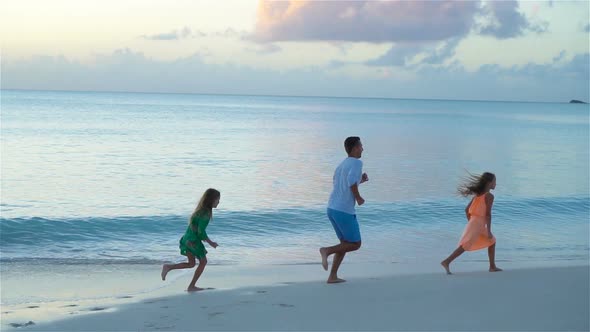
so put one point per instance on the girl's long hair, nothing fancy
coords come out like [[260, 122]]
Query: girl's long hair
[[205, 205], [475, 184]]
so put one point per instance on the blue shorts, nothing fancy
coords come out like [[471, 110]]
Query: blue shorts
[[345, 225]]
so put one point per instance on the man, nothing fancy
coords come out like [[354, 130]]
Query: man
[[341, 212]]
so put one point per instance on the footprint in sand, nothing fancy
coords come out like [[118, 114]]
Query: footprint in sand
[[125, 297], [33, 307], [97, 309], [284, 305], [16, 325], [214, 314], [204, 307], [261, 291], [70, 306]]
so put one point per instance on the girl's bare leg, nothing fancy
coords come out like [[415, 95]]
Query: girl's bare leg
[[198, 272], [451, 258], [169, 267], [492, 257]]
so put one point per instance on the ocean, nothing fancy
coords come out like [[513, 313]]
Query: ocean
[[95, 178]]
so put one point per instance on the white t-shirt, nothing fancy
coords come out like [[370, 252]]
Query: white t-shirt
[[347, 173]]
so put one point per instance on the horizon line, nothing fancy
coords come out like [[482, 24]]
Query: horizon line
[[290, 96]]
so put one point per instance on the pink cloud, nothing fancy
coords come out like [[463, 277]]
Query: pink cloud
[[370, 21], [387, 21]]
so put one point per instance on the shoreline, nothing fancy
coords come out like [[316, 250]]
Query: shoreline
[[374, 298]]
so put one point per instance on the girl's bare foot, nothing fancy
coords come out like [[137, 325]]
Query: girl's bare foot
[[324, 258], [165, 270], [446, 266], [335, 280], [495, 269], [194, 289]]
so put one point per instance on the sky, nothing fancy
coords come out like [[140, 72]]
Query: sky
[[473, 50]]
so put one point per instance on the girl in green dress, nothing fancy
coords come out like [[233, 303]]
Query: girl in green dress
[[191, 244]]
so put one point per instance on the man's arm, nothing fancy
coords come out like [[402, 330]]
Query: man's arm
[[364, 178], [357, 196]]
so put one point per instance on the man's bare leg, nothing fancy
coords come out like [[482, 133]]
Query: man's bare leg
[[344, 246], [324, 254], [333, 278], [339, 252]]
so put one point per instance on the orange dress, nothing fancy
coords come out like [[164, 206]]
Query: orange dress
[[475, 235]]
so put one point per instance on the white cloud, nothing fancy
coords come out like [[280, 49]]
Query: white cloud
[[172, 35], [506, 21], [125, 70]]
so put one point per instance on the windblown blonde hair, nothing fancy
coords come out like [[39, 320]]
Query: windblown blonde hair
[[206, 203]]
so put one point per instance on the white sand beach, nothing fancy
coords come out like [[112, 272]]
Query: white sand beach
[[532, 299]]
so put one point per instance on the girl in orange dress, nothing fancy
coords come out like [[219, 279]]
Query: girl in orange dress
[[478, 232]]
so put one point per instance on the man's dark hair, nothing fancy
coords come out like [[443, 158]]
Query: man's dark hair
[[350, 143]]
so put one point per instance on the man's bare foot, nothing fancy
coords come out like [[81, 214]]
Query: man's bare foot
[[495, 269], [446, 266], [165, 270], [335, 280], [194, 289], [324, 258]]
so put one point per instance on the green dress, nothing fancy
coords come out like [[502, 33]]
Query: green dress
[[195, 233]]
